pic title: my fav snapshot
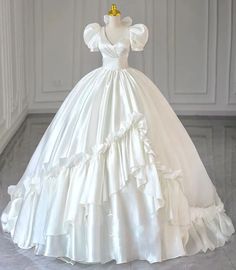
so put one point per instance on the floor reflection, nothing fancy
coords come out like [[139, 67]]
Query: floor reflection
[[215, 140]]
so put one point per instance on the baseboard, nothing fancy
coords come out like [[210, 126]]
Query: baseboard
[[178, 112], [206, 113]]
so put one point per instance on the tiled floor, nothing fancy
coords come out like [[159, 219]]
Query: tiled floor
[[215, 139]]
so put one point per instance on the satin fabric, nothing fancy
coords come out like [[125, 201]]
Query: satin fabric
[[116, 175]]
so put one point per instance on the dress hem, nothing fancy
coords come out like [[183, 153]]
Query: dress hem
[[207, 228]]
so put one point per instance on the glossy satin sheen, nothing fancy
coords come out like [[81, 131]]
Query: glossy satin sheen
[[116, 175], [114, 57]]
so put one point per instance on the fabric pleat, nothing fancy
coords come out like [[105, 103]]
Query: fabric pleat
[[115, 175], [114, 200]]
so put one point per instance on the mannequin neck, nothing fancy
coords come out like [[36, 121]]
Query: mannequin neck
[[114, 21]]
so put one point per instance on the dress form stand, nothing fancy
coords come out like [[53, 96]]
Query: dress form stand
[[114, 28], [115, 175]]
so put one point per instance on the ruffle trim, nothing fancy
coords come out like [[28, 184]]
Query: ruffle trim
[[128, 148], [89, 178]]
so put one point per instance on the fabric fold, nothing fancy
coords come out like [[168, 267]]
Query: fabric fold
[[80, 190]]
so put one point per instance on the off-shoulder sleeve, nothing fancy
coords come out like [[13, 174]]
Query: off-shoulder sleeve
[[91, 36], [138, 36]]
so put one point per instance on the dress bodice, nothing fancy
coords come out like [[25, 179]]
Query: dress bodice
[[115, 56]]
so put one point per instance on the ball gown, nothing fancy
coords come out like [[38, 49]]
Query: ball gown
[[115, 175]]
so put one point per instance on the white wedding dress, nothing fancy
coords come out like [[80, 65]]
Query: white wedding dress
[[116, 175]]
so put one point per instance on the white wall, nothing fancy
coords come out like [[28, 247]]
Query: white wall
[[13, 94], [190, 54]]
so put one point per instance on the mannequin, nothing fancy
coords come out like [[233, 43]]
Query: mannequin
[[114, 30]]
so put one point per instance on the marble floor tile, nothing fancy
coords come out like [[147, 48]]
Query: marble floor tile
[[215, 140]]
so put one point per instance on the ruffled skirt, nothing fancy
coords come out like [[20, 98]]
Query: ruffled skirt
[[116, 177]]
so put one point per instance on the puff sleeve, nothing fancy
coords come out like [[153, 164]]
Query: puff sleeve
[[138, 36], [91, 36]]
